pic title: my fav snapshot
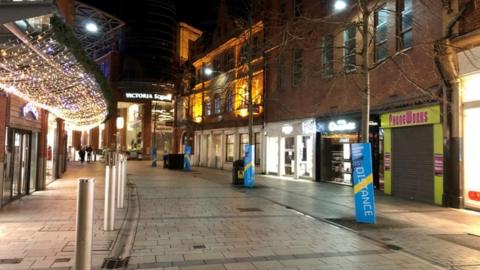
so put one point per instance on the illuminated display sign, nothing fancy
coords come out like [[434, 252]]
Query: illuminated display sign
[[146, 95], [287, 129], [337, 126], [29, 108]]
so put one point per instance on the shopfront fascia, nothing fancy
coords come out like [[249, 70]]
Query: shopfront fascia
[[469, 115], [290, 149], [333, 152], [413, 159]]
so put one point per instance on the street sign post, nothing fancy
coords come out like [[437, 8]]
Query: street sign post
[[363, 183]]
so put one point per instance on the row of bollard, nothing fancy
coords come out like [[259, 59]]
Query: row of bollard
[[115, 187]]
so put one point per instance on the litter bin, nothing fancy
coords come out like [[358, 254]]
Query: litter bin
[[237, 172]]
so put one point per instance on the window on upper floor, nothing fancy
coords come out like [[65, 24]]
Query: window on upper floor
[[282, 10], [229, 63], [327, 56], [297, 68], [350, 48], [229, 101], [207, 106], [404, 24], [217, 65], [381, 28], [256, 47], [280, 71], [243, 53], [217, 104], [298, 8]]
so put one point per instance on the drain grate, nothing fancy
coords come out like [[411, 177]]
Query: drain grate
[[61, 260], [58, 228], [11, 261], [382, 223], [249, 209], [200, 246], [393, 247], [98, 246], [115, 263]]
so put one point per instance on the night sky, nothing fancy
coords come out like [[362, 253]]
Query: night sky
[[200, 14]]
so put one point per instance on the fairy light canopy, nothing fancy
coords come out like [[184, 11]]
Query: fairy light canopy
[[42, 70]]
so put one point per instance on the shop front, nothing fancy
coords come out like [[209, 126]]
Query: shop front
[[290, 149], [471, 143], [219, 148], [413, 154], [21, 159], [333, 152]]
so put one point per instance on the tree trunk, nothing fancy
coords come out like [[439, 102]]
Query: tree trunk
[[365, 73]]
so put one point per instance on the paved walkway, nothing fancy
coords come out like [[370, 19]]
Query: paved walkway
[[197, 220], [38, 231]]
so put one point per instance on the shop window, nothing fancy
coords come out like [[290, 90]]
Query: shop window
[[230, 147], [297, 66], [257, 148], [404, 24], [217, 104], [349, 51], [327, 56], [243, 142], [381, 22]]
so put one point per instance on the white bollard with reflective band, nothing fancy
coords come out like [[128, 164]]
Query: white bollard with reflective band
[[84, 226], [120, 181]]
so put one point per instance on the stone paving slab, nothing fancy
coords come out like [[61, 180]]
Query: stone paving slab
[[40, 228], [194, 221]]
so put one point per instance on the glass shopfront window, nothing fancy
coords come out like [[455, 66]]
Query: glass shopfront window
[[230, 144], [243, 143]]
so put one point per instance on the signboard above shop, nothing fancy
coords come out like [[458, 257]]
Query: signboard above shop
[[337, 126], [416, 117], [145, 95]]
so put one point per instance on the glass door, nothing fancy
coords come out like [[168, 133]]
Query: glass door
[[272, 156], [289, 155], [21, 155]]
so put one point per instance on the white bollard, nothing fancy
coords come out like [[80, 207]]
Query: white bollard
[[84, 227], [120, 181], [109, 211]]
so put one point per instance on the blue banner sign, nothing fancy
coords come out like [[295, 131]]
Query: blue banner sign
[[249, 167], [187, 152], [363, 183]]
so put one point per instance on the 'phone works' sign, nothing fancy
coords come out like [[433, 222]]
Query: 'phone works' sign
[[416, 117]]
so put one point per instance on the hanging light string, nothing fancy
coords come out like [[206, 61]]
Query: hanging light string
[[47, 74]]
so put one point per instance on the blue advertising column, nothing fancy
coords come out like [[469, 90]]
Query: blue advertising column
[[363, 183], [249, 166], [187, 152], [154, 156]]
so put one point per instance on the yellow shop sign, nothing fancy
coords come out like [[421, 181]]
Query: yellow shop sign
[[416, 117]]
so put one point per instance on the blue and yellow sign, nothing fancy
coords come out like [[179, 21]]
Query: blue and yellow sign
[[187, 152], [249, 167], [363, 183]]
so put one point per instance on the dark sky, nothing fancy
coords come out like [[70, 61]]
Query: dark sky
[[201, 14]]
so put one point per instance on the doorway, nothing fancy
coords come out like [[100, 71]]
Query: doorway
[[289, 156], [18, 183]]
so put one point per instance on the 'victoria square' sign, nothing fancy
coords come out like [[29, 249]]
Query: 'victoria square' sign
[[149, 96]]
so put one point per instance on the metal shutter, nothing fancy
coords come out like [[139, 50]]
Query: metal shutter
[[412, 163]]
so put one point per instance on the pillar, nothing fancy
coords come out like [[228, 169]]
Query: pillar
[[94, 137], [42, 150], [147, 128], [3, 124]]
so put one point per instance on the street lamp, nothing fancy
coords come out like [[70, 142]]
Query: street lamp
[[91, 27], [208, 71], [340, 5]]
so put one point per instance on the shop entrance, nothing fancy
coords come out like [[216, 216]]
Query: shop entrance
[[272, 156], [21, 164], [289, 155], [336, 165]]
